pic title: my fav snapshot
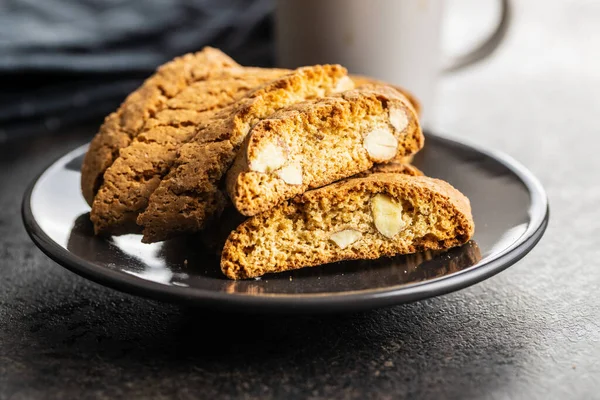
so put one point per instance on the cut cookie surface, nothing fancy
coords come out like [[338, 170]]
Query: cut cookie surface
[[190, 195], [383, 214], [317, 142]]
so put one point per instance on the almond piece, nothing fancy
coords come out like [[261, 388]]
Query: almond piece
[[387, 215], [345, 238], [398, 119], [291, 174], [271, 157], [381, 145]]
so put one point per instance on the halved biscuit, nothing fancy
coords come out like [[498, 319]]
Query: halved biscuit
[[189, 196], [317, 142], [123, 125], [135, 174], [360, 218]]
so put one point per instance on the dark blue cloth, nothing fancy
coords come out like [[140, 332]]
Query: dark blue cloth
[[65, 60]]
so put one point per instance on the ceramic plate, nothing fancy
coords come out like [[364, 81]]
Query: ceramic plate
[[510, 210]]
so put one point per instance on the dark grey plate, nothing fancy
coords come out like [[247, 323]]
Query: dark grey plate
[[510, 210]]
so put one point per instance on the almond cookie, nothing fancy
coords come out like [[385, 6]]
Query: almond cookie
[[317, 142], [360, 218], [133, 176], [124, 124], [190, 194]]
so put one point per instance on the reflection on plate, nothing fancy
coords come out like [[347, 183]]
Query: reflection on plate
[[509, 207]]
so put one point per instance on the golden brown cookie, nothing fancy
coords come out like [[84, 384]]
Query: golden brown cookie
[[317, 142], [189, 196], [123, 125], [135, 174], [360, 218]]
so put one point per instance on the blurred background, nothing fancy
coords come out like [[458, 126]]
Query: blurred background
[[67, 61], [63, 61]]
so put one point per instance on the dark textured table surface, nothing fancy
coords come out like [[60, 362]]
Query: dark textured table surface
[[531, 332]]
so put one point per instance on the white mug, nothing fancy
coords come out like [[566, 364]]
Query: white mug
[[397, 41]]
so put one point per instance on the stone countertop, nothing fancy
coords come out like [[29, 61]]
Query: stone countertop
[[530, 332]]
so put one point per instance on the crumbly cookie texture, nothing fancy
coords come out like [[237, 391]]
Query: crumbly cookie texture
[[320, 141], [215, 235], [135, 174], [383, 214], [123, 125], [189, 195], [360, 80]]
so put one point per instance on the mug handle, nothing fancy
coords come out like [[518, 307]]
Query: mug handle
[[487, 47]]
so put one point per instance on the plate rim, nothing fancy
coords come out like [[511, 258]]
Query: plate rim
[[539, 214]]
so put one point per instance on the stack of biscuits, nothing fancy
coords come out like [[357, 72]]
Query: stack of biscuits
[[297, 167]]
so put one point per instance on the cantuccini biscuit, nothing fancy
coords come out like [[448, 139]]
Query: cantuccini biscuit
[[123, 125], [320, 141], [134, 175], [379, 215], [190, 194]]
